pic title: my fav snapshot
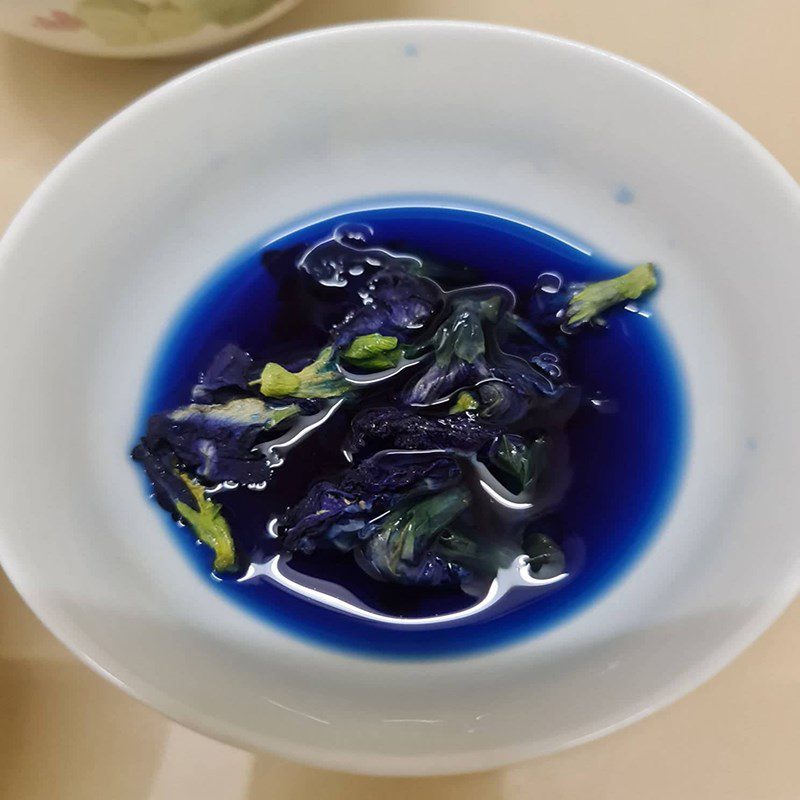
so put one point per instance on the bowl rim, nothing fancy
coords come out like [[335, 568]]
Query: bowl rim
[[81, 645]]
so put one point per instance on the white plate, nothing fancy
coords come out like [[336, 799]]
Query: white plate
[[126, 229], [121, 30]]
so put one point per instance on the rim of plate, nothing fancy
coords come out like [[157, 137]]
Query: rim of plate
[[469, 761]]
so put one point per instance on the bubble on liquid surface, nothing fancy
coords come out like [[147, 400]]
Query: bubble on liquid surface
[[549, 283], [347, 253]]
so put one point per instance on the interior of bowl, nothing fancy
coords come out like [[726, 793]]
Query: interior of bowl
[[128, 228]]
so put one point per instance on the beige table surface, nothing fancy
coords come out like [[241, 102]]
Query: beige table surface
[[65, 733]]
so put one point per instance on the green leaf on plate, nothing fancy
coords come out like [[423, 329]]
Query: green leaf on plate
[[125, 23], [227, 12]]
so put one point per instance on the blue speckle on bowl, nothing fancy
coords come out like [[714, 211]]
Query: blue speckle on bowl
[[624, 195]]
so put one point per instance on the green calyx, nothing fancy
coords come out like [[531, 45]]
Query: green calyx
[[373, 351], [521, 461], [595, 298], [412, 528], [208, 524], [464, 402], [320, 379]]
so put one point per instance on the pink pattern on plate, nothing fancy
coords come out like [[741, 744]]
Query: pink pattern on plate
[[58, 21]]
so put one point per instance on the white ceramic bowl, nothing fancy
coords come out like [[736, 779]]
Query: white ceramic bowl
[[137, 28], [142, 213]]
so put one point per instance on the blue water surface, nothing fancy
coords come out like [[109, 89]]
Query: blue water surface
[[626, 447]]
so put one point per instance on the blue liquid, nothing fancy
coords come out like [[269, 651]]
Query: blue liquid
[[626, 453]]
